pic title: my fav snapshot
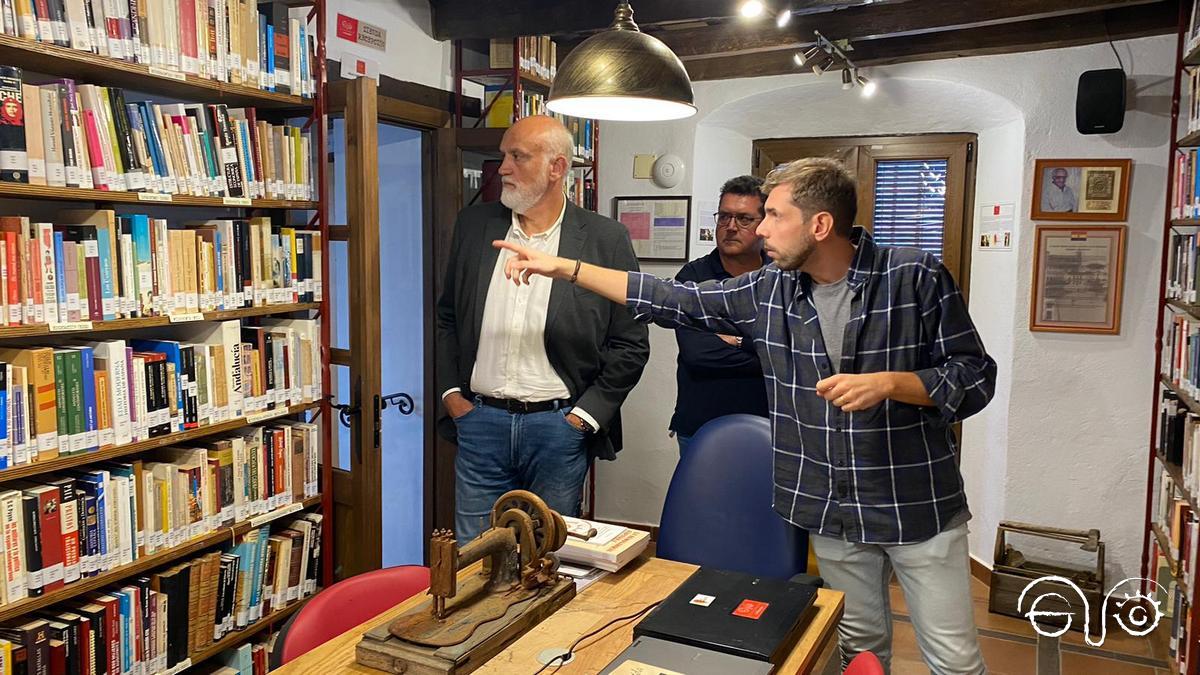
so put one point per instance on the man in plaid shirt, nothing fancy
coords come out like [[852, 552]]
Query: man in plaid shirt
[[869, 357]]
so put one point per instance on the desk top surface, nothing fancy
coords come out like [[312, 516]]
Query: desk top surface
[[641, 583]]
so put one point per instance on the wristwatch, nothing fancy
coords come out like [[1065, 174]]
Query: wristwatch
[[739, 341], [585, 427]]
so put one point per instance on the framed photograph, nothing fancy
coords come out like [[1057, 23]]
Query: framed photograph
[[1078, 277], [1081, 189], [658, 226]]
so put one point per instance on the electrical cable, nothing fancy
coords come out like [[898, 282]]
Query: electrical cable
[[571, 650]]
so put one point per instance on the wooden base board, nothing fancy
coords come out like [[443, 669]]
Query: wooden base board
[[379, 649]]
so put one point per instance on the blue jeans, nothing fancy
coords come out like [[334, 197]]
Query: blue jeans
[[498, 451]]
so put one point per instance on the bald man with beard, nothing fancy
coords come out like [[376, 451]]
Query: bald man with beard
[[532, 378]]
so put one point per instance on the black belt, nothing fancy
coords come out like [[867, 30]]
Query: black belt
[[521, 407]]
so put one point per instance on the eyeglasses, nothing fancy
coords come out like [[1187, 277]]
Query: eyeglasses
[[743, 221]]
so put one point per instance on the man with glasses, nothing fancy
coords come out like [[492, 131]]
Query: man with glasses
[[720, 374]]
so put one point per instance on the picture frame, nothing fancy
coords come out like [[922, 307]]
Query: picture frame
[[1094, 190], [1078, 279], [659, 226]]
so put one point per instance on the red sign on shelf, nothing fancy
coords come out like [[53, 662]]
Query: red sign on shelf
[[347, 27]]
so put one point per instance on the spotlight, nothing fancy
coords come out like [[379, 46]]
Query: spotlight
[[784, 18], [752, 9], [807, 58], [847, 83], [822, 65], [868, 87]]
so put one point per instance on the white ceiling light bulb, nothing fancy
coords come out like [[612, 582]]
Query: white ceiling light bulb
[[784, 18], [868, 87], [752, 9]]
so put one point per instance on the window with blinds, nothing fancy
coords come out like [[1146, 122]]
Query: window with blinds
[[910, 203]]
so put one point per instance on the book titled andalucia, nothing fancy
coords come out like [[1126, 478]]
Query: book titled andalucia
[[14, 162]]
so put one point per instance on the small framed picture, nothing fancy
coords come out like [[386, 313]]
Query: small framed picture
[[1081, 189], [1078, 276], [658, 226]]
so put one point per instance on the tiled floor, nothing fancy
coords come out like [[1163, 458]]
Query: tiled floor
[[1009, 646]]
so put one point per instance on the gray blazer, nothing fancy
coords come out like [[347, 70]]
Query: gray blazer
[[593, 344]]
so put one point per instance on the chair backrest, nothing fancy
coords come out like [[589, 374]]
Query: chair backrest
[[346, 604], [866, 663], [718, 508]]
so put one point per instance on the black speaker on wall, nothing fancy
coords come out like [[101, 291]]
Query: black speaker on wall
[[1100, 101]]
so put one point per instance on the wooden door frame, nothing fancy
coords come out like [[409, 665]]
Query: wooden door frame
[[962, 148], [359, 100]]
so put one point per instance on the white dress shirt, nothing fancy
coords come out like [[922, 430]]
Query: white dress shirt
[[511, 361]]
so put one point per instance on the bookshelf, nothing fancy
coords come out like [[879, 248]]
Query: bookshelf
[[170, 86], [1172, 525]]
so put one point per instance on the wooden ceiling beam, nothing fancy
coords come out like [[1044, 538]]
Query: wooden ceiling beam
[[1064, 31], [872, 21], [459, 19]]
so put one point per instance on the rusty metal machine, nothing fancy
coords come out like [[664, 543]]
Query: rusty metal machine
[[467, 621]]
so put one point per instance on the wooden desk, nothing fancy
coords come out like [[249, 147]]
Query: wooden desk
[[642, 582]]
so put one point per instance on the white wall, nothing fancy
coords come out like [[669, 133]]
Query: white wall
[[1064, 441]]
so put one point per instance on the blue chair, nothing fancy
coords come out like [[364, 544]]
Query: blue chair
[[718, 509]]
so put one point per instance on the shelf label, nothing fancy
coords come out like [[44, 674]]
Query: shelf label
[[266, 415], [236, 201], [169, 74], [68, 326], [277, 513], [188, 317], [153, 197]]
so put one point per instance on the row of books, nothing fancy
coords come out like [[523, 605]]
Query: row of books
[[82, 397], [77, 524], [1191, 117], [67, 134], [237, 41], [1181, 352], [249, 658], [1179, 439], [1192, 39], [156, 623], [1185, 189], [498, 99], [1181, 526], [1175, 606], [93, 265], [1183, 266], [581, 189], [536, 55]]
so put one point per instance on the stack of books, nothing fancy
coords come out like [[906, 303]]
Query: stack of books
[[237, 41], [609, 547], [537, 55]]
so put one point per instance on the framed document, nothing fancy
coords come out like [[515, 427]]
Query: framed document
[[1081, 189], [1078, 275], [658, 226]]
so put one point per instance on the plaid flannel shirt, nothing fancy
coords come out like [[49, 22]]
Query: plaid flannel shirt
[[886, 475]]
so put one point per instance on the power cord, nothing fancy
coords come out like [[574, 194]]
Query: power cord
[[571, 650]]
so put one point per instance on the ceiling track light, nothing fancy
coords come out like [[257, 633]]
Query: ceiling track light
[[823, 65], [847, 80], [827, 55], [804, 60]]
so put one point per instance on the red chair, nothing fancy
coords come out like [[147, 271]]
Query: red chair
[[344, 605], [866, 663]]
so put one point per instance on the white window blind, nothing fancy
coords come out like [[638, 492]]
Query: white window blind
[[910, 203]]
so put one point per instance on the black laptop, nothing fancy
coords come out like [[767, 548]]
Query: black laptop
[[735, 613]]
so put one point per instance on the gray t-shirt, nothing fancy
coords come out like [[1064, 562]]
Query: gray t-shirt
[[833, 313]]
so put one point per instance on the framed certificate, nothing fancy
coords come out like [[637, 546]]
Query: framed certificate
[[1078, 275], [658, 226]]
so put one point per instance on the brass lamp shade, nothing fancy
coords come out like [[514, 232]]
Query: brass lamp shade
[[622, 74]]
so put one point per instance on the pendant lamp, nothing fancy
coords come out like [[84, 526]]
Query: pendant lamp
[[622, 74]]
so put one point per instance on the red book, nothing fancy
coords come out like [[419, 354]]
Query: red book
[[14, 278], [187, 31], [112, 633], [92, 261], [281, 477], [58, 657], [50, 518], [95, 151], [35, 274]]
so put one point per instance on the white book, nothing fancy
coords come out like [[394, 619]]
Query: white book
[[141, 414], [44, 233], [12, 529], [69, 523], [56, 173], [110, 354]]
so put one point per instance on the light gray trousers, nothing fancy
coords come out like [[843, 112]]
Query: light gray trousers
[[935, 577]]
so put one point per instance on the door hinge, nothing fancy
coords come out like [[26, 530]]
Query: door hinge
[[970, 151]]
